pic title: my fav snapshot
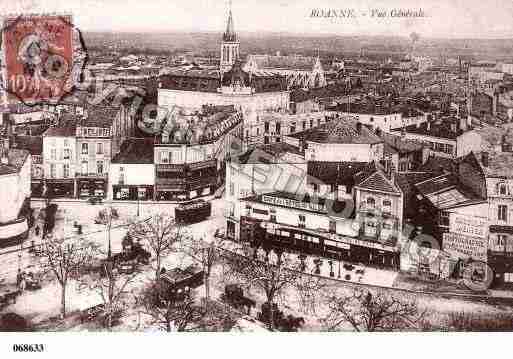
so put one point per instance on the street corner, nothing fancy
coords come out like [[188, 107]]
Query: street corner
[[44, 57]]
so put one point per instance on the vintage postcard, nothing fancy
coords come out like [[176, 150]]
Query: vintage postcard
[[255, 167]]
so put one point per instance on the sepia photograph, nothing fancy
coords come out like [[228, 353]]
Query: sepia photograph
[[253, 168]]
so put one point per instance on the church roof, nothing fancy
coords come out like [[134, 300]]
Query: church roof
[[296, 62]]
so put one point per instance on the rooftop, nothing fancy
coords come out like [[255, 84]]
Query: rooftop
[[445, 192], [339, 131], [135, 151], [66, 130], [443, 128], [296, 62], [373, 178], [334, 172], [33, 144], [500, 164]]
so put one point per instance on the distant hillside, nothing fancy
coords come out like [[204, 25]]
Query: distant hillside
[[207, 44]]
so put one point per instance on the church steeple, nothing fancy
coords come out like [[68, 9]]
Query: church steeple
[[230, 35], [230, 45]]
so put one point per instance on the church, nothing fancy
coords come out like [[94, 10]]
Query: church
[[252, 92]]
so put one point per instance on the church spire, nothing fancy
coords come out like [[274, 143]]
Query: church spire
[[229, 35]]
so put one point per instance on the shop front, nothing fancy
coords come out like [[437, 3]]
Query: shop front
[[60, 188], [132, 192], [201, 178], [88, 187]]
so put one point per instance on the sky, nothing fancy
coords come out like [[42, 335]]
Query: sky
[[443, 18]]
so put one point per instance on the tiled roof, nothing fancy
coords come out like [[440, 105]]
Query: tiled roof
[[341, 173], [500, 164], [373, 178], [437, 164], [33, 144], [440, 129], [16, 159], [66, 130], [135, 151], [99, 116], [339, 131], [400, 145]]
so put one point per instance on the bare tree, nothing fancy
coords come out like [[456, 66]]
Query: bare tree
[[205, 254], [64, 259], [170, 310], [161, 233], [112, 288], [366, 311], [274, 279]]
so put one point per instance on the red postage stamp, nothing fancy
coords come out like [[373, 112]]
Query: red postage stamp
[[38, 57]]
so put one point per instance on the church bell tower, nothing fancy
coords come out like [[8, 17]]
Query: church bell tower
[[230, 44]]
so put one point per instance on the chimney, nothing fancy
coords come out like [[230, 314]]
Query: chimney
[[485, 159]]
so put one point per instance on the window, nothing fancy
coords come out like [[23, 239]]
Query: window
[[65, 170], [67, 154], [99, 167], [121, 179], [371, 202], [508, 277], [272, 218], [311, 123], [99, 148], [84, 168], [444, 219], [66, 142], [278, 127], [85, 149], [266, 127], [52, 171], [304, 125], [164, 157], [502, 189], [293, 127], [53, 154], [502, 213], [258, 131], [316, 187], [387, 206], [302, 220]]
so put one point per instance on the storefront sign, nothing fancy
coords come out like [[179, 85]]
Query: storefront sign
[[293, 203], [204, 164], [461, 246], [468, 225]]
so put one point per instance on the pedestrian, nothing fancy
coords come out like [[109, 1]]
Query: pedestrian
[[37, 230]]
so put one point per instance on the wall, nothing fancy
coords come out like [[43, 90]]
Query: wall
[[135, 174], [59, 161], [343, 152], [92, 157], [249, 103]]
